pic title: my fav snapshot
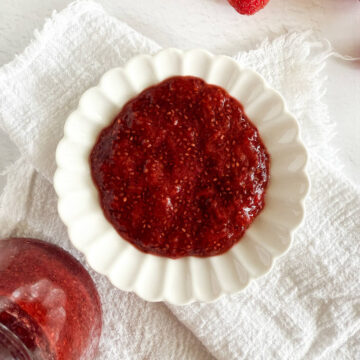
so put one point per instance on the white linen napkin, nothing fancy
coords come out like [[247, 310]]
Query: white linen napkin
[[307, 307]]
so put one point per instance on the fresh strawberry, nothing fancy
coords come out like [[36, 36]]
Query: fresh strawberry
[[248, 7]]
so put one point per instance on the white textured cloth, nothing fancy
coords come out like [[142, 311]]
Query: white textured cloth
[[308, 307]]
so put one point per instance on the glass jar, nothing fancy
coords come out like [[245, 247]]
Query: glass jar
[[49, 306]]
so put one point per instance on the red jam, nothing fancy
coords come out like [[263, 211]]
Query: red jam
[[181, 170], [49, 305]]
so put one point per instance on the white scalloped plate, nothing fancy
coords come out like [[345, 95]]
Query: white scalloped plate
[[188, 279]]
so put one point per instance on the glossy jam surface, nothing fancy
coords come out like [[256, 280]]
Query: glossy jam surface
[[21, 337], [48, 301], [181, 170]]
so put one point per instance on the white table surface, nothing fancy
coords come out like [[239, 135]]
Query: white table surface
[[214, 25]]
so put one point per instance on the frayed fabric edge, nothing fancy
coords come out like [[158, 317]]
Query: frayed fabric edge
[[40, 37], [317, 51]]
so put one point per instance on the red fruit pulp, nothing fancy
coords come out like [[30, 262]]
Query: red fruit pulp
[[47, 301], [181, 170]]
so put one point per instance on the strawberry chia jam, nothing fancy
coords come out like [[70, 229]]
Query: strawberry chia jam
[[181, 170]]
